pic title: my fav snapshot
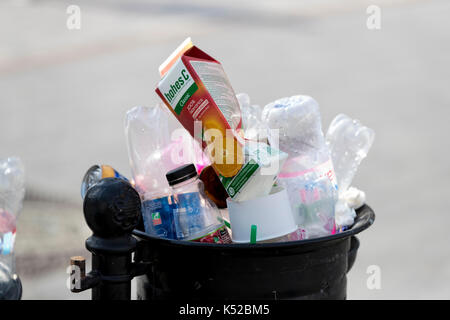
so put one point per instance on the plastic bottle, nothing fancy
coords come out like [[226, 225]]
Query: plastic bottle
[[309, 164], [349, 142], [97, 173], [196, 218], [254, 128], [12, 192], [151, 154], [147, 135]]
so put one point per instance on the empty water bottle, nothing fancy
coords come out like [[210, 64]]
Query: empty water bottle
[[254, 128], [12, 192], [349, 142], [195, 216], [152, 153], [147, 136], [309, 164]]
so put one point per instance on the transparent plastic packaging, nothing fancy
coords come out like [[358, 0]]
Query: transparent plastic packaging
[[309, 168], [349, 142], [152, 152], [312, 198], [147, 136], [196, 218], [12, 192], [252, 125], [298, 120]]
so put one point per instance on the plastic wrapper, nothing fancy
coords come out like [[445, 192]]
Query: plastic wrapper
[[298, 120], [252, 125], [312, 199], [153, 151]]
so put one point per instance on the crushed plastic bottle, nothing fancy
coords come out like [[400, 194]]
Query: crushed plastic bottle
[[12, 184], [254, 128], [349, 142], [12, 192], [309, 167], [152, 153], [298, 120], [147, 135]]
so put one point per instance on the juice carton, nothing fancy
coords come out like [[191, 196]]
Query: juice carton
[[196, 90]]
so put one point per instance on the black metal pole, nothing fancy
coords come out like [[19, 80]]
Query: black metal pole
[[112, 259], [112, 209]]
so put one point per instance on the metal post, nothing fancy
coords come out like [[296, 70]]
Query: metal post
[[112, 209]]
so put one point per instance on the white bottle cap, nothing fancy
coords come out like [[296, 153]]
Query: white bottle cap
[[271, 214]]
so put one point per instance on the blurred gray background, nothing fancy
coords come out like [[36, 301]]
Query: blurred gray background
[[64, 94]]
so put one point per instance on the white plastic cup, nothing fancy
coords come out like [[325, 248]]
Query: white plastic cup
[[271, 214]]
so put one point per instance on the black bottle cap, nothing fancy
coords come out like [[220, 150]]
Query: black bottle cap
[[181, 174]]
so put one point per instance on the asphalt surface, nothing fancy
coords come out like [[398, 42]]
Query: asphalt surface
[[64, 93]]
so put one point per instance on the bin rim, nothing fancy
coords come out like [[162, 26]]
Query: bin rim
[[365, 217]]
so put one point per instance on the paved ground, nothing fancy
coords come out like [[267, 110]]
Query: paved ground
[[63, 95]]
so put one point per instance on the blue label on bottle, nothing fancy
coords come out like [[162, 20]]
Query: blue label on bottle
[[118, 175], [158, 218], [7, 243], [188, 217]]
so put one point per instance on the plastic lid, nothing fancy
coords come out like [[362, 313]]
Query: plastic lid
[[181, 174]]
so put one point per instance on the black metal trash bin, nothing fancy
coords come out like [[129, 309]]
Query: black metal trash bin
[[172, 269], [307, 269]]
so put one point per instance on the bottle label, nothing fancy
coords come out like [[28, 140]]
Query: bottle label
[[323, 170], [158, 219], [219, 235], [7, 243], [7, 232], [187, 214], [191, 222]]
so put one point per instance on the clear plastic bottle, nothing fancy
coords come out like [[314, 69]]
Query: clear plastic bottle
[[196, 218], [349, 142], [254, 128], [299, 134], [12, 192], [147, 136]]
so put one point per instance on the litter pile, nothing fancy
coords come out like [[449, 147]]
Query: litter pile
[[233, 171]]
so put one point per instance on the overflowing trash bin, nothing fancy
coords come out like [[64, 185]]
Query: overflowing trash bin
[[256, 202], [305, 269]]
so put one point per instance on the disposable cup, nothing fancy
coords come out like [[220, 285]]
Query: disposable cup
[[271, 214]]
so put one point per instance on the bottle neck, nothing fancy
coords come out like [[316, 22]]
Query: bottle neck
[[184, 183]]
